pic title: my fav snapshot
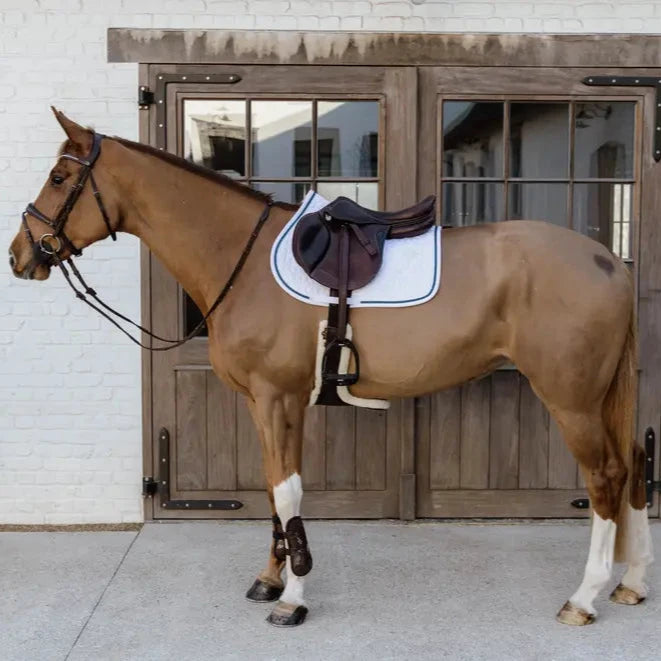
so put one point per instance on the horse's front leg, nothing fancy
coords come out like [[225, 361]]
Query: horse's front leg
[[279, 417], [268, 585]]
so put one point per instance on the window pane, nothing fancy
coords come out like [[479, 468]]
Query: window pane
[[281, 133], [348, 138], [365, 193], [471, 203], [604, 213], [472, 139], [604, 139], [215, 134], [538, 202], [286, 191], [539, 140]]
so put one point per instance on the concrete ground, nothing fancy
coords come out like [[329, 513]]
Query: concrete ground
[[378, 590]]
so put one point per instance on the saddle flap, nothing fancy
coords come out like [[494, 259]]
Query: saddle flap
[[310, 242]]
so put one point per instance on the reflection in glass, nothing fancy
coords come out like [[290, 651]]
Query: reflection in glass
[[283, 191], [215, 134], [472, 139], [281, 133], [603, 211], [348, 138], [366, 193], [604, 139], [538, 202], [471, 203], [539, 140]]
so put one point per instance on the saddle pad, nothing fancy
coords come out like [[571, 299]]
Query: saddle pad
[[410, 273]]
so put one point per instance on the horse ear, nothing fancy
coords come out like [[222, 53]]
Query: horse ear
[[77, 134]]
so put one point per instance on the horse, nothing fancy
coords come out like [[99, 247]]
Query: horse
[[526, 292]]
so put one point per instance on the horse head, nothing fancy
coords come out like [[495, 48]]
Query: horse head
[[68, 214]]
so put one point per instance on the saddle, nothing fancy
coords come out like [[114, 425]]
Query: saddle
[[341, 247]]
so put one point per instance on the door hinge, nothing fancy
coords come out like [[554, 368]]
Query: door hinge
[[145, 97], [149, 487], [651, 485]]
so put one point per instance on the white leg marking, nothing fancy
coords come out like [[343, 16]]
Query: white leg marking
[[599, 566], [639, 551], [288, 496]]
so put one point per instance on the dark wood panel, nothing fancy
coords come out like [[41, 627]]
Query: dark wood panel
[[314, 448], [538, 503], [475, 417], [445, 439], [370, 449], [191, 438], [504, 431], [533, 440], [250, 472], [562, 466], [221, 434], [340, 448]]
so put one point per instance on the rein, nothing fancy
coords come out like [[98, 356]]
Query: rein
[[45, 253]]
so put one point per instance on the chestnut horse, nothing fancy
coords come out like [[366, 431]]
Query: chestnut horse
[[555, 303]]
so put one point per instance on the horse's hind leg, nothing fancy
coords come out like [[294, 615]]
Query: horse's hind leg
[[638, 541], [605, 474], [280, 417]]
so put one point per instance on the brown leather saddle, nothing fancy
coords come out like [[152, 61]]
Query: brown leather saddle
[[341, 247]]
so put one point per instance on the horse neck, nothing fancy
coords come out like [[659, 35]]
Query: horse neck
[[196, 227]]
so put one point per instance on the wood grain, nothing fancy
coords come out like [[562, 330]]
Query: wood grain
[[250, 472], [191, 439], [504, 443], [340, 448], [221, 434], [533, 440], [445, 440], [475, 417], [370, 449]]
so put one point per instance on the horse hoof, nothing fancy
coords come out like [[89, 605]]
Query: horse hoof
[[287, 615], [261, 592], [624, 595], [577, 617]]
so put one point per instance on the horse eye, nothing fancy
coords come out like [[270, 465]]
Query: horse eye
[[56, 179]]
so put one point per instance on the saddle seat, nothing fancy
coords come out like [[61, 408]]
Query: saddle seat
[[344, 229]]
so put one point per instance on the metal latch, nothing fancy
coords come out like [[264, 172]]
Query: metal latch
[[149, 487]]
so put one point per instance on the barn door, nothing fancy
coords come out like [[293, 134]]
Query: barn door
[[283, 130], [536, 144]]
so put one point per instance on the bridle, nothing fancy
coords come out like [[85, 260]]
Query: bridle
[[48, 254]]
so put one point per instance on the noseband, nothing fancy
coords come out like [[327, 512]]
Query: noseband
[[48, 254]]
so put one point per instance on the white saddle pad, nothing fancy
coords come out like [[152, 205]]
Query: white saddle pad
[[410, 273]]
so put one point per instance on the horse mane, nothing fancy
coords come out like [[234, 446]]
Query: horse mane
[[202, 171]]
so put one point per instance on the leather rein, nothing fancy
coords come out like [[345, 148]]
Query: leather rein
[[46, 250]]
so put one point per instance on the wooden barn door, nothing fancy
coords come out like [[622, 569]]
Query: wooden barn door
[[343, 131], [505, 144]]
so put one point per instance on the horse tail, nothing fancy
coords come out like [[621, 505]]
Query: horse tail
[[618, 412]]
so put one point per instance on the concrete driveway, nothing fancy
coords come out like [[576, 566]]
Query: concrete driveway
[[379, 590]]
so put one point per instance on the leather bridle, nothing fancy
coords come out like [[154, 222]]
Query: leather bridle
[[46, 253]]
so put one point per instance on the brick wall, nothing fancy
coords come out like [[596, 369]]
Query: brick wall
[[70, 434]]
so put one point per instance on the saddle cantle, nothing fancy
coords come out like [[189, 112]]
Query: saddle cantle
[[341, 247]]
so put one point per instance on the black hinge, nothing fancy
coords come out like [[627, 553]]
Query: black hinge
[[163, 484], [145, 96], [636, 81], [149, 487], [650, 484]]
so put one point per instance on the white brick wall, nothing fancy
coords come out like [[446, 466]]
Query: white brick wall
[[70, 435]]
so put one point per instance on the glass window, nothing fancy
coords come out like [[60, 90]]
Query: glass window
[[472, 139], [538, 202], [539, 140], [215, 135], [348, 138], [280, 133], [604, 140], [471, 203], [365, 193]]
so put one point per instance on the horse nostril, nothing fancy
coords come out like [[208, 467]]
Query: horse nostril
[[12, 260]]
